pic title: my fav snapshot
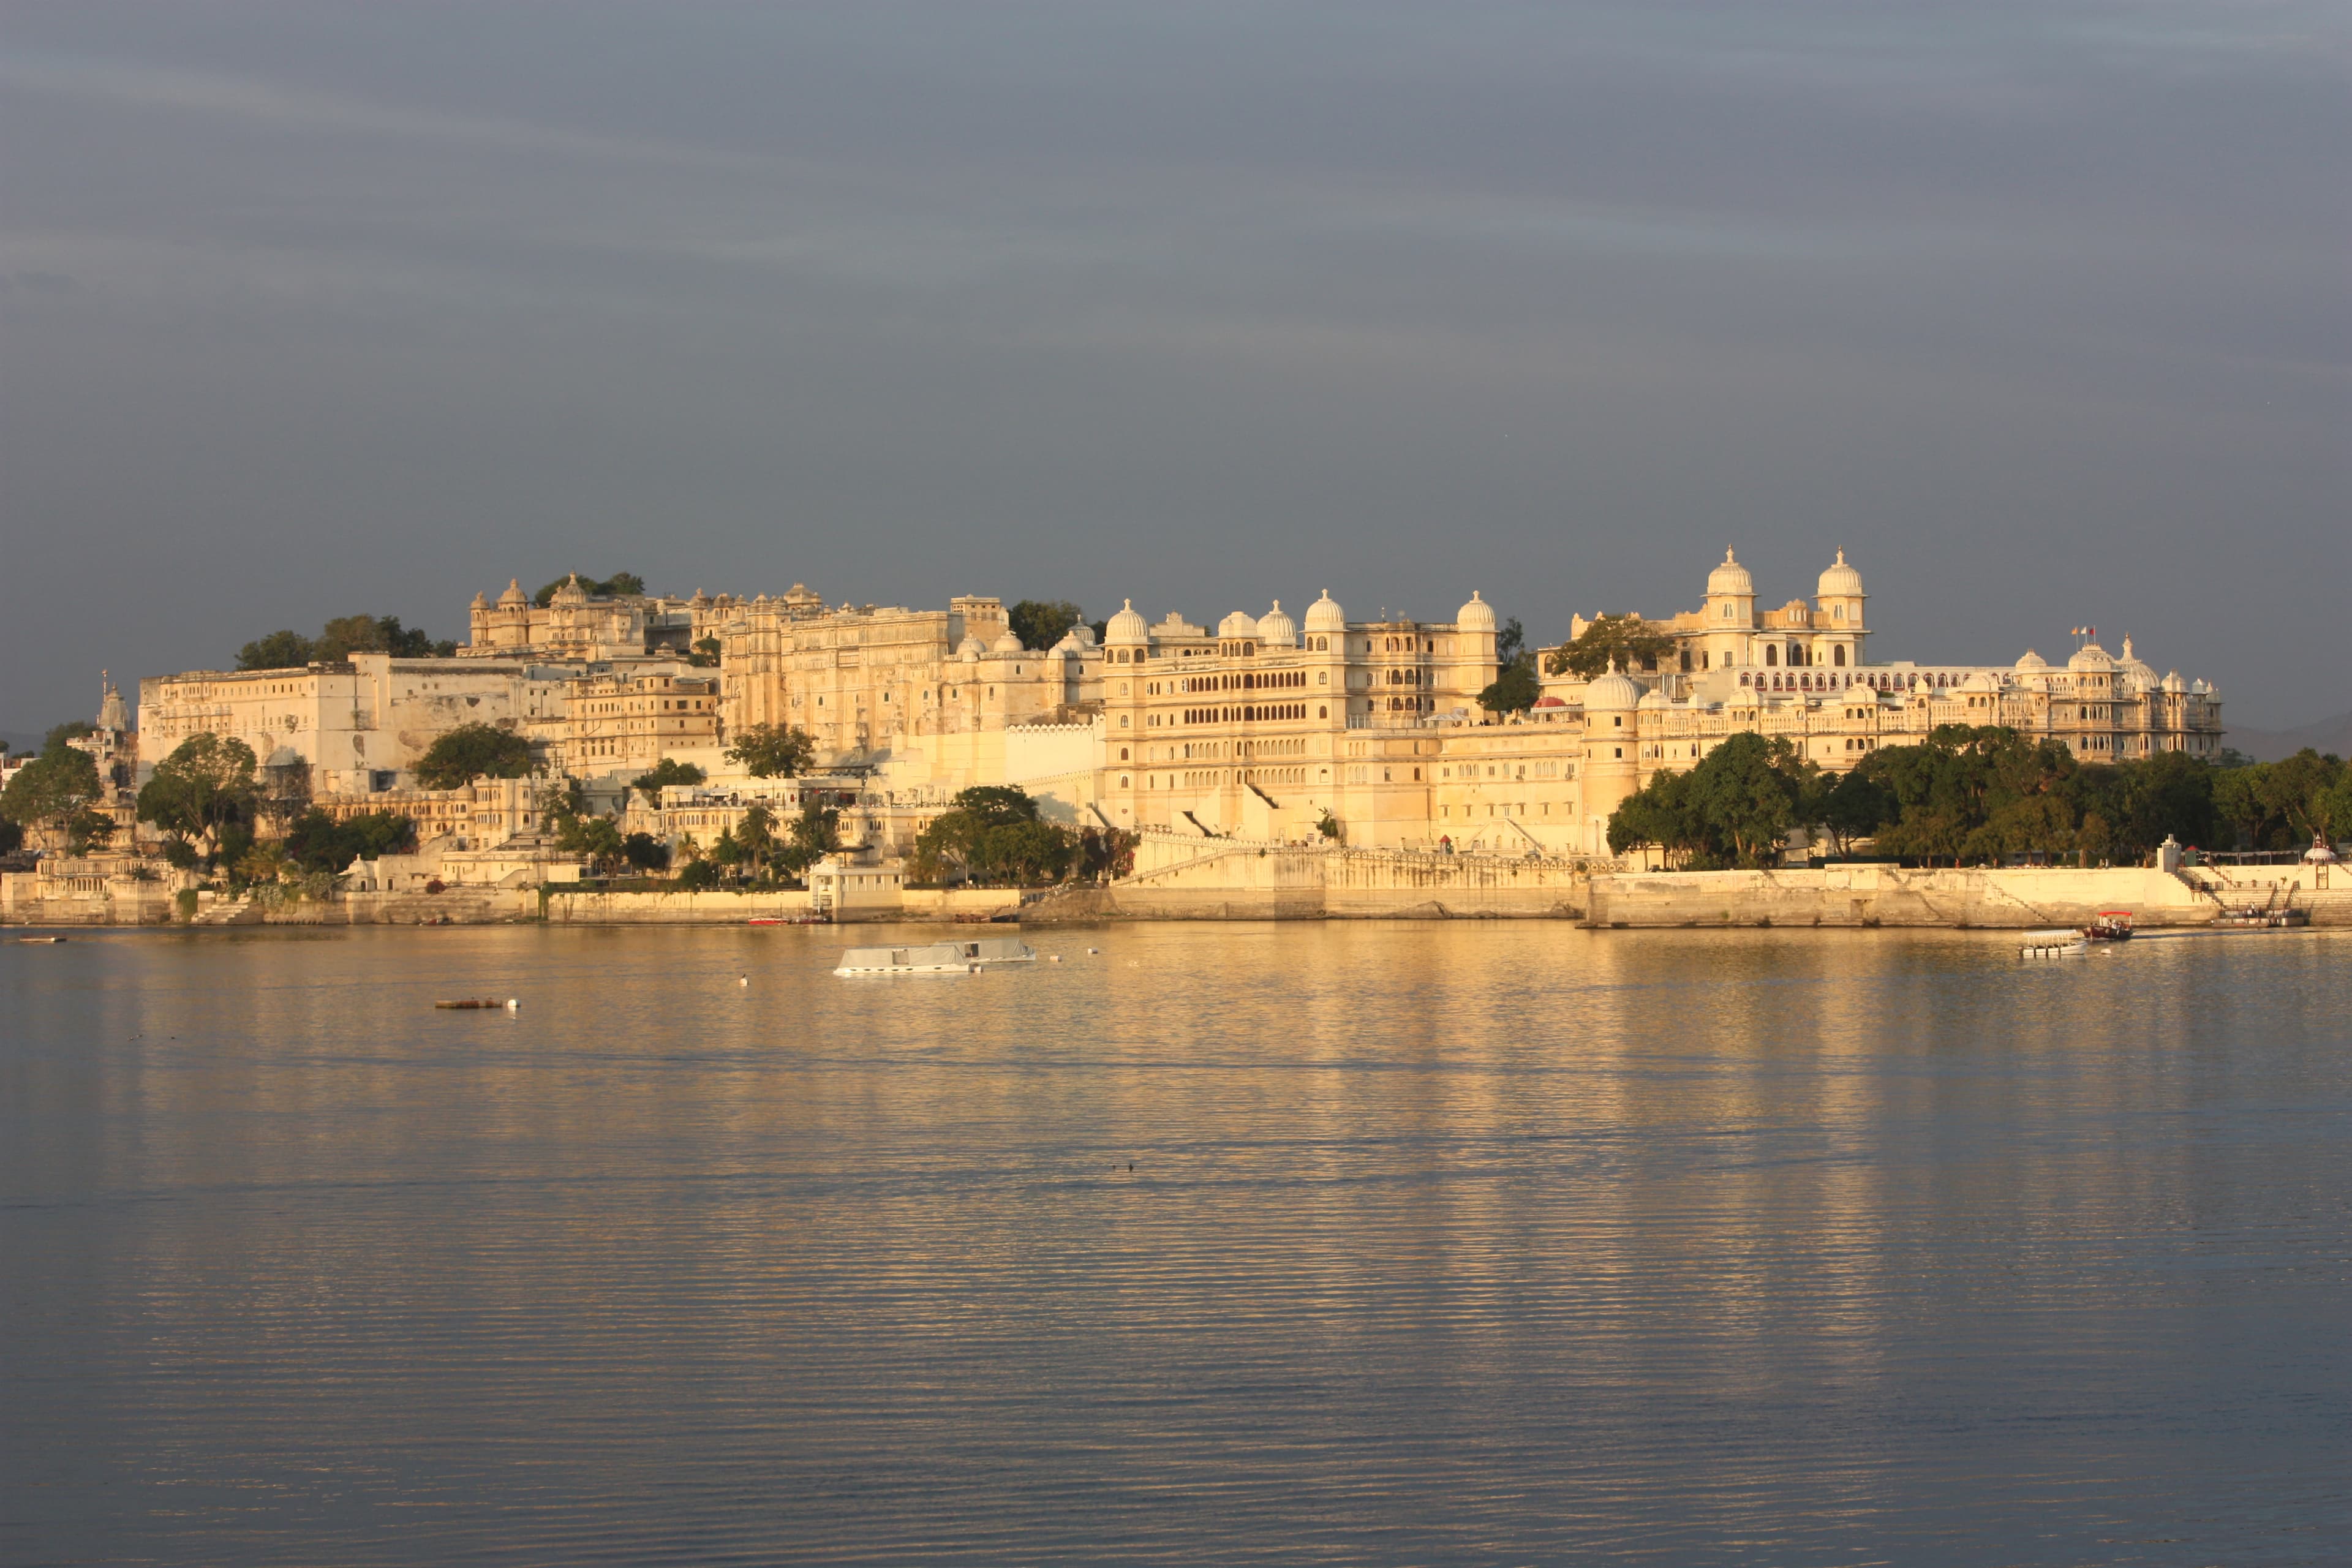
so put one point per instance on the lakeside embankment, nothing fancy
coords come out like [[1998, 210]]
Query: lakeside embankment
[[1240, 880]]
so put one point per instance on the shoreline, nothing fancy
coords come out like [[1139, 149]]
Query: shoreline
[[1275, 887]]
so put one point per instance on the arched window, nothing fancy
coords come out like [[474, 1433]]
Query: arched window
[[1321, 711], [1772, 654], [1838, 655]]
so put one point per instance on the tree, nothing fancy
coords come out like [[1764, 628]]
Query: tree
[[349, 634], [1625, 639], [699, 876], [704, 653], [1848, 806], [1041, 623], [996, 806], [1734, 808], [816, 833], [71, 730], [1510, 640], [204, 785], [339, 638], [317, 842], [1663, 815], [279, 651], [54, 788], [992, 833], [1105, 855], [594, 839], [1515, 690], [645, 852], [772, 751], [471, 752], [668, 771], [756, 832]]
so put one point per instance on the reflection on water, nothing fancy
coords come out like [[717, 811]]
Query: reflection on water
[[1445, 1242]]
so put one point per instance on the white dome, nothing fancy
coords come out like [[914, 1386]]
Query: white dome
[[1982, 680], [1240, 623], [2091, 656], [1325, 615], [1477, 615], [1730, 578], [1840, 581], [514, 594], [970, 647], [1656, 698], [1127, 626], [1611, 693], [1008, 643], [2172, 681], [1277, 630], [2032, 660]]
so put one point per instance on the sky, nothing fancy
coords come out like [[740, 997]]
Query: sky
[[2038, 310]]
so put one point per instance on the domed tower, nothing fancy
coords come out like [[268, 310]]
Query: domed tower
[[1838, 628], [1127, 634], [508, 625], [1276, 630], [1325, 635], [1613, 751], [1730, 613], [1476, 661]]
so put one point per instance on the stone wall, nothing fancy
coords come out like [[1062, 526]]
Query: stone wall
[[1226, 878]]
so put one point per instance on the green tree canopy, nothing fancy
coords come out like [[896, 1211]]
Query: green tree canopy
[[317, 842], [619, 585], [594, 839], [1041, 623], [705, 653], [1734, 808], [54, 788], [772, 751], [471, 752], [339, 638], [1515, 690], [668, 771], [2282, 804], [71, 730], [206, 784], [280, 650], [991, 834], [644, 852], [1626, 640]]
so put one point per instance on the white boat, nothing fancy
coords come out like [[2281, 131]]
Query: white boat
[[968, 957], [2053, 944]]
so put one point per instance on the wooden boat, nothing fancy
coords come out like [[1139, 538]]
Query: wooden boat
[[477, 1004], [2109, 925], [2059, 943], [40, 941], [968, 957]]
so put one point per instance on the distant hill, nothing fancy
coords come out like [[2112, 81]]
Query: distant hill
[[2329, 735]]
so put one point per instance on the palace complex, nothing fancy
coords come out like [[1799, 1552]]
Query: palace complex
[[1265, 726]]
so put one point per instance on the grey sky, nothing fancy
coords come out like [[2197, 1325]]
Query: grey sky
[[2038, 310]]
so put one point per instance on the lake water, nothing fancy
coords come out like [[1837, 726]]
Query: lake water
[[1386, 1242]]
